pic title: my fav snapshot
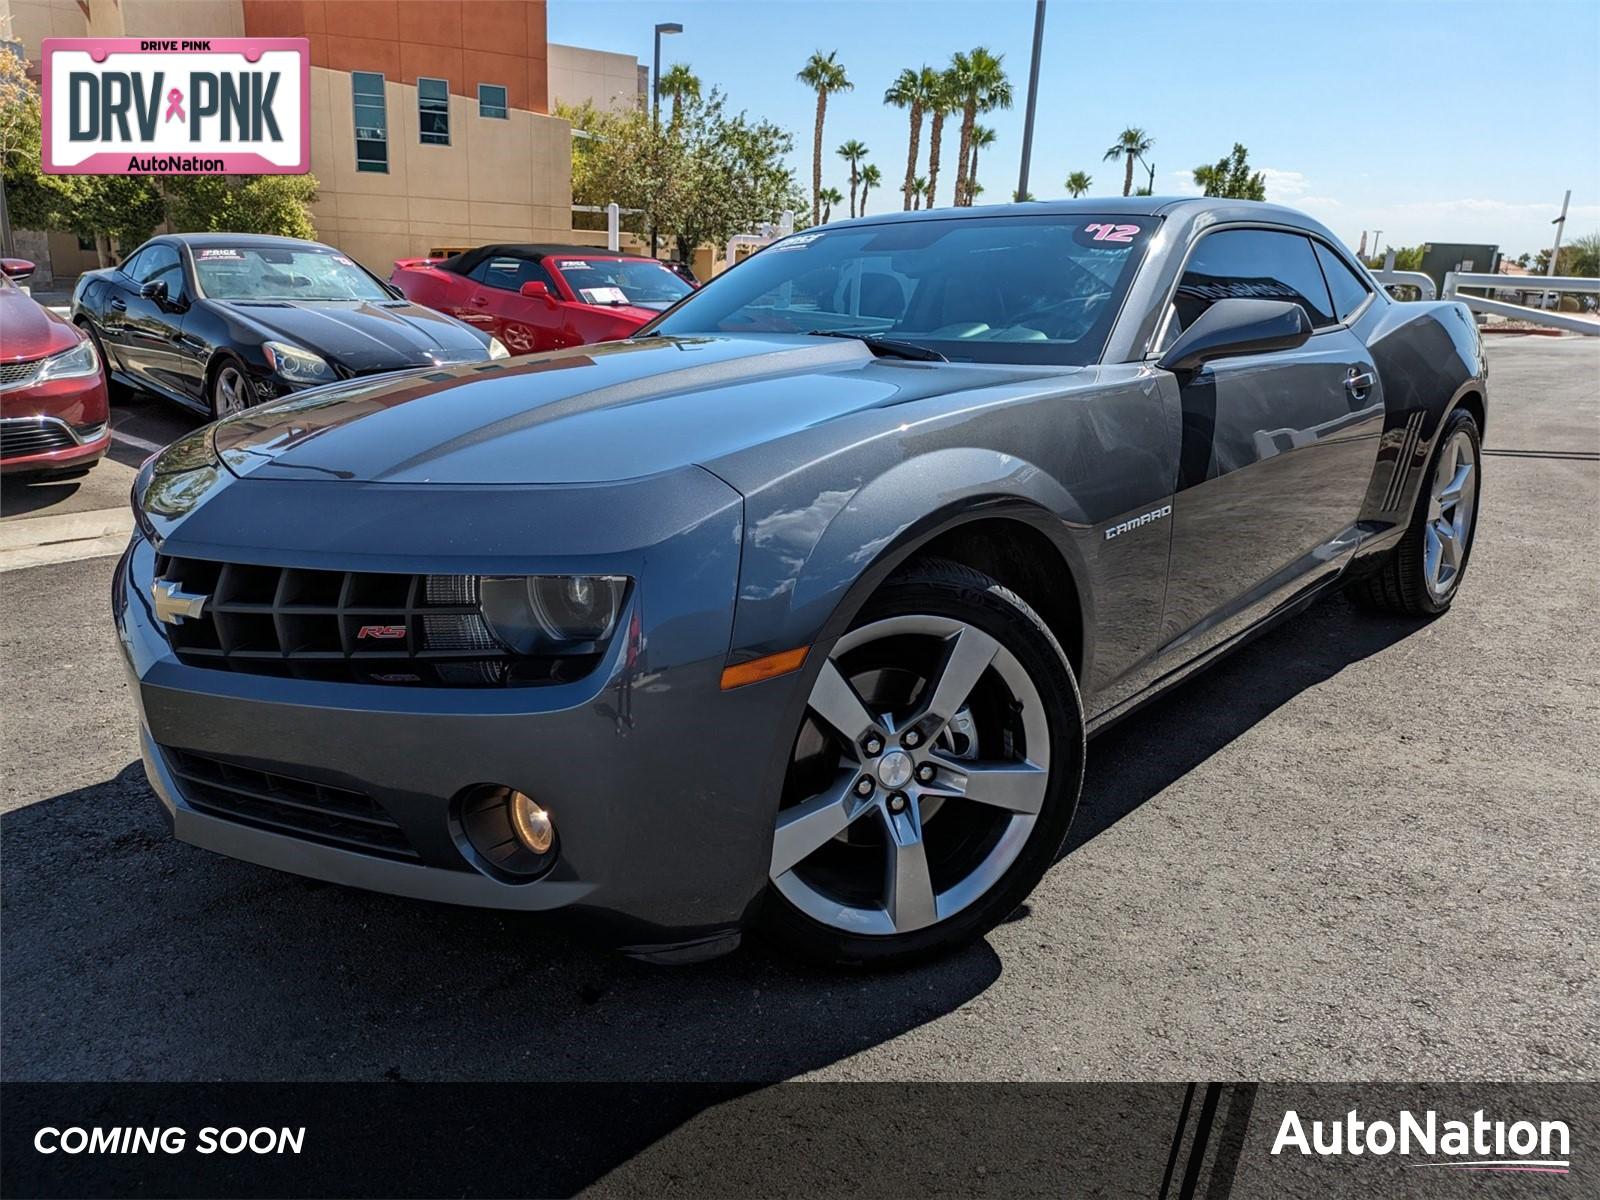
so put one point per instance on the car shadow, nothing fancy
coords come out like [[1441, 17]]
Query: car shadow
[[131, 956], [1146, 752], [20, 495]]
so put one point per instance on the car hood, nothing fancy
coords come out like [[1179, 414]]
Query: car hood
[[619, 410], [363, 335], [31, 330]]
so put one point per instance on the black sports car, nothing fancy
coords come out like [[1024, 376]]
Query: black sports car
[[222, 321], [797, 606]]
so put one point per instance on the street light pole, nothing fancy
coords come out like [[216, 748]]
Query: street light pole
[[1555, 251], [1033, 97], [655, 100]]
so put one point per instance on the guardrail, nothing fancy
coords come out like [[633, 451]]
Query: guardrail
[[1423, 283], [1454, 280]]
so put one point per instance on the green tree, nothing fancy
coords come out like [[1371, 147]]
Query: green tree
[[679, 83], [1131, 143], [981, 86], [913, 89], [825, 75], [919, 189], [830, 197], [982, 138], [943, 102], [853, 152], [1231, 176], [871, 177], [1078, 183], [277, 204]]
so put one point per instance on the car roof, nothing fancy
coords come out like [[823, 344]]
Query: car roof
[[1133, 206], [536, 251], [242, 240]]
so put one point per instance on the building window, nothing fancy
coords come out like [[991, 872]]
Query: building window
[[372, 122], [433, 111], [85, 243], [492, 101]]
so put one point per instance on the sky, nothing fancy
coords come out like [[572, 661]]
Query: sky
[[1430, 120]]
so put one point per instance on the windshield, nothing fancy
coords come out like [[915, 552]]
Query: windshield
[[621, 281], [282, 273], [1030, 289]]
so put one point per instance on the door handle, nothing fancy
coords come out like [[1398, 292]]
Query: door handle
[[119, 306], [1359, 382]]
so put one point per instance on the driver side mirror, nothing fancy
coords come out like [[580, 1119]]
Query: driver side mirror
[[20, 270], [155, 290], [1230, 328], [539, 290]]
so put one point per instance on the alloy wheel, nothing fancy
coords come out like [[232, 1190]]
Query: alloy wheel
[[230, 392], [921, 771], [1448, 531]]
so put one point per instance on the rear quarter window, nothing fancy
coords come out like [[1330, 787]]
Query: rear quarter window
[[1349, 293]]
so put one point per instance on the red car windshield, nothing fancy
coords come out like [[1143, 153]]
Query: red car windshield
[[614, 282]]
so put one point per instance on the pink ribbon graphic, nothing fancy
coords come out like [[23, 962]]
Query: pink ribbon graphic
[[175, 105]]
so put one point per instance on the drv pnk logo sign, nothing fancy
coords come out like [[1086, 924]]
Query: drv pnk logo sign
[[170, 106]]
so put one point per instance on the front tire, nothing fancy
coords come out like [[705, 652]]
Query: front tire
[[1424, 573], [229, 392], [934, 776]]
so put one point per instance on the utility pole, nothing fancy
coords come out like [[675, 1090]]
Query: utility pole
[[1555, 251], [1033, 96], [667, 27]]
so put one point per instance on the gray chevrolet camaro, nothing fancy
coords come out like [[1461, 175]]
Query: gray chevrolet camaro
[[796, 608]]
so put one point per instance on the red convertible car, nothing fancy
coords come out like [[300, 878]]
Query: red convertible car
[[536, 298], [54, 416]]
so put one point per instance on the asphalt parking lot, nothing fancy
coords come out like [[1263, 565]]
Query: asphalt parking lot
[[1361, 848]]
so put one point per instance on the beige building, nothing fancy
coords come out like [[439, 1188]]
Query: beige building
[[610, 82], [454, 146]]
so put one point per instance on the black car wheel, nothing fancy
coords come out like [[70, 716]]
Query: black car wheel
[[933, 778], [230, 389], [1423, 574]]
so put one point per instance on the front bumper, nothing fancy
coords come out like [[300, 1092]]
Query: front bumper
[[662, 787], [63, 424]]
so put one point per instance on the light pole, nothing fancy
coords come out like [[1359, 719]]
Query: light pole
[[1033, 96], [655, 100]]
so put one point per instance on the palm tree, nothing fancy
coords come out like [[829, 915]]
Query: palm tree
[[1133, 143], [1078, 183], [823, 74], [871, 177], [919, 189], [981, 86], [941, 104], [680, 83], [982, 139], [913, 89], [853, 152], [828, 197]]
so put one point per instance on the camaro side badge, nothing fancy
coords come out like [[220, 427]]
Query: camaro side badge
[[173, 604], [1117, 530]]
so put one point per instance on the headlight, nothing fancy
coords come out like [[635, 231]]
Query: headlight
[[296, 365], [78, 363], [497, 349], [552, 614]]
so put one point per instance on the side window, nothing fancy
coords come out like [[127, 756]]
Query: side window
[[160, 263], [132, 264], [509, 274], [372, 121], [492, 101], [1253, 264], [1349, 293]]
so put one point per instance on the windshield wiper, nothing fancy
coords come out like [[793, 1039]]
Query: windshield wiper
[[885, 347]]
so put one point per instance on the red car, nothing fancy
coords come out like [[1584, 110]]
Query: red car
[[54, 417], [536, 298]]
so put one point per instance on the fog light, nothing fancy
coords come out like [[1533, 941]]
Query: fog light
[[531, 823], [509, 835]]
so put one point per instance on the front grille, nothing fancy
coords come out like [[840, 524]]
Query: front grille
[[372, 626], [29, 435], [267, 800], [19, 374]]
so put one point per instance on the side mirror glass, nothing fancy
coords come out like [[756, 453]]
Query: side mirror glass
[[1230, 328], [155, 290]]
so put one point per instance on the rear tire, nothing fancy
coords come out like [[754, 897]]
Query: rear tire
[[927, 822], [1424, 571]]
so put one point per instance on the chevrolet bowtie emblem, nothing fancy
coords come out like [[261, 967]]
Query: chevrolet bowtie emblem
[[173, 604]]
